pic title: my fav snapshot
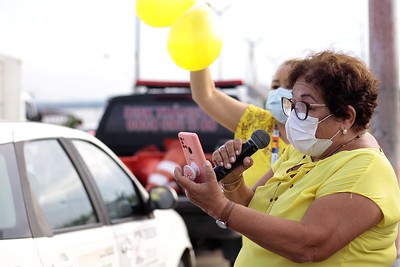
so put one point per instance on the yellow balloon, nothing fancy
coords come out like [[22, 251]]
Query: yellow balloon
[[195, 40], [161, 13]]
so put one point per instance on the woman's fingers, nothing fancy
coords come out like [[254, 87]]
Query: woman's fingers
[[226, 154], [201, 194], [209, 172], [180, 178]]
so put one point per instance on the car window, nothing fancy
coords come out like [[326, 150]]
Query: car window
[[8, 216], [57, 185], [13, 221], [116, 187]]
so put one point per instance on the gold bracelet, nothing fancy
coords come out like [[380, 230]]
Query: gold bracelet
[[234, 182], [240, 182]]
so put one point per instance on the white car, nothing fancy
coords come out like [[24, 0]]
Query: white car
[[67, 200]]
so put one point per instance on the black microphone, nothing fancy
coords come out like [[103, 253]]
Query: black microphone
[[259, 139]]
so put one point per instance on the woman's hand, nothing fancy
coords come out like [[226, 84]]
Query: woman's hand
[[208, 195], [227, 154]]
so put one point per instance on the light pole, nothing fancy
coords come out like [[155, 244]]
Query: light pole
[[220, 12], [383, 60], [252, 69], [137, 52]]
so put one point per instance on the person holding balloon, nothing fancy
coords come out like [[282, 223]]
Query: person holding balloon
[[243, 119], [194, 42]]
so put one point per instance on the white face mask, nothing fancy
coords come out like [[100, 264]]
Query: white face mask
[[301, 134], [274, 104]]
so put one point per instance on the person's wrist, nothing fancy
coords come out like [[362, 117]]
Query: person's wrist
[[231, 179], [222, 220], [218, 208], [232, 185]]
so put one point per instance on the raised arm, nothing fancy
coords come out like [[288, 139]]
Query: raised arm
[[218, 105]]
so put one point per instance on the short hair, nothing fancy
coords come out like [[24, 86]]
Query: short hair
[[344, 80], [292, 62]]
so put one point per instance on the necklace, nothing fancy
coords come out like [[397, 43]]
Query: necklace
[[348, 142]]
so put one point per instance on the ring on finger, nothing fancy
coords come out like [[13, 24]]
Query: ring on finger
[[221, 147]]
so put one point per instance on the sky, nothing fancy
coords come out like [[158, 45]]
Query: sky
[[84, 50]]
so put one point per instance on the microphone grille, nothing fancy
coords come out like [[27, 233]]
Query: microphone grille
[[260, 138]]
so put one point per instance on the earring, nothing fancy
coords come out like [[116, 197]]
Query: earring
[[344, 131]]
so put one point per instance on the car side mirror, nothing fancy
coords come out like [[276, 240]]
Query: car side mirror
[[162, 197]]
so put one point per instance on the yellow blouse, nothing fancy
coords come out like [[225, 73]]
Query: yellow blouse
[[253, 119], [288, 195]]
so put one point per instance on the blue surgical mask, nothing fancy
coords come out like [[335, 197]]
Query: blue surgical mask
[[274, 104]]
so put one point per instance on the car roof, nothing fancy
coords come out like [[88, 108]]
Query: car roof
[[22, 131]]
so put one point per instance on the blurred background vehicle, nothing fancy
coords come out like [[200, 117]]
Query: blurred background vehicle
[[67, 200], [15, 104]]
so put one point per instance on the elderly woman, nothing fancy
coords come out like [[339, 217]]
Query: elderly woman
[[332, 198]]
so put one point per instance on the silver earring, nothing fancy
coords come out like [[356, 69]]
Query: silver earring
[[344, 131]]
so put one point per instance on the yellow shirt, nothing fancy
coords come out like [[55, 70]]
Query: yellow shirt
[[253, 119], [366, 172]]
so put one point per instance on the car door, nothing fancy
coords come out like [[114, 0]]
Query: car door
[[17, 247], [79, 237], [137, 235]]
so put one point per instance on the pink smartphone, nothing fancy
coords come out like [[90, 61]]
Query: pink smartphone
[[194, 156]]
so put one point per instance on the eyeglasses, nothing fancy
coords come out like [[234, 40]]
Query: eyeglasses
[[301, 108]]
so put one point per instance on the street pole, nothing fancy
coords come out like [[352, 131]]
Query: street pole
[[384, 63], [137, 53], [220, 12], [252, 66]]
